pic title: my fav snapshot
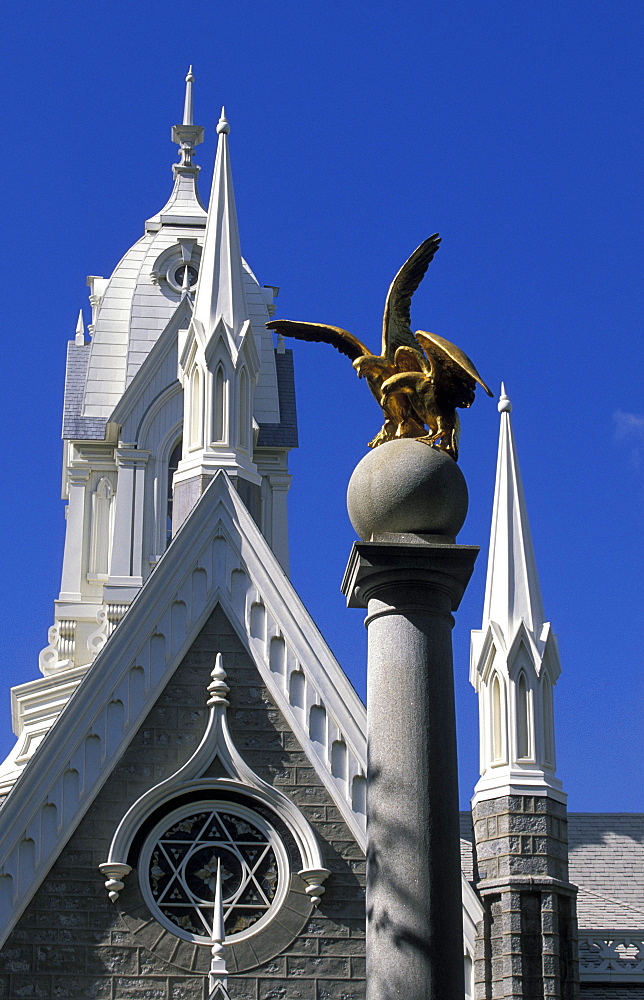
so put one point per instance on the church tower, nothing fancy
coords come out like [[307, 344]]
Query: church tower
[[526, 947], [179, 379]]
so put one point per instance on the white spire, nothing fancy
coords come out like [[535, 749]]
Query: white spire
[[184, 204], [187, 104], [512, 590], [220, 289], [514, 660], [187, 135], [79, 339]]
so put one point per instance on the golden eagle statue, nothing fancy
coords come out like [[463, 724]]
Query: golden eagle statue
[[418, 379]]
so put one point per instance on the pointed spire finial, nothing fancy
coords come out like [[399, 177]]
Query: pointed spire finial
[[185, 284], [218, 971], [220, 294], [223, 125], [187, 135], [79, 339], [218, 689], [504, 404], [187, 104], [512, 590]]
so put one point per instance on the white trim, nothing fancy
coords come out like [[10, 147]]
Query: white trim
[[218, 538]]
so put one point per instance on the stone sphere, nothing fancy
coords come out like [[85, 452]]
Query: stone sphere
[[407, 486]]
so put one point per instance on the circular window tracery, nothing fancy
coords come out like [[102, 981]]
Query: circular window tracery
[[178, 870]]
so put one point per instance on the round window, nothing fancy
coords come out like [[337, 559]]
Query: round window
[[177, 276], [178, 870]]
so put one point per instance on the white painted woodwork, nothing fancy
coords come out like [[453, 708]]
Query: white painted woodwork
[[514, 659]]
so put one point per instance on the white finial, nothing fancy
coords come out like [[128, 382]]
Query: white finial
[[218, 688], [504, 405], [222, 124], [218, 929], [187, 104], [185, 284], [79, 339], [218, 971], [187, 135]]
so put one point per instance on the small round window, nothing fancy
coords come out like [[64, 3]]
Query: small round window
[[178, 870], [176, 277]]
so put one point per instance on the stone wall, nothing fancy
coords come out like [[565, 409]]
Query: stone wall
[[526, 949], [71, 942]]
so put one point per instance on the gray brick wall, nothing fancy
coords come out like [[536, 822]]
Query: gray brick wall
[[73, 943], [526, 948], [521, 835]]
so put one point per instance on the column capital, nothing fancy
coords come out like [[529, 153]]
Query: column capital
[[78, 475], [128, 456], [408, 562]]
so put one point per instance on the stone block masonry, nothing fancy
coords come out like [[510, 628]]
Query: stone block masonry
[[71, 942], [526, 948]]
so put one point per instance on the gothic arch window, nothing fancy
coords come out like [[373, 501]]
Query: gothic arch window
[[173, 465], [524, 728], [219, 405], [498, 720], [101, 538], [195, 408], [179, 869], [243, 434]]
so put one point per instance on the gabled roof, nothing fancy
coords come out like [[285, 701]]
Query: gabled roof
[[218, 556]]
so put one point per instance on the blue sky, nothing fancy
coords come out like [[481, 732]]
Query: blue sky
[[358, 130]]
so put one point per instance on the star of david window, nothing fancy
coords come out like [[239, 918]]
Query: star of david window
[[178, 870]]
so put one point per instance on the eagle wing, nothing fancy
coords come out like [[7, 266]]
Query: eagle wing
[[458, 374], [342, 340], [410, 359], [396, 321]]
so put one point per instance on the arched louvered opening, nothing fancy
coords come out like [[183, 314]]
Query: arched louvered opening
[[195, 408], [243, 434], [219, 406], [548, 722], [173, 465], [524, 741], [102, 510], [498, 720]]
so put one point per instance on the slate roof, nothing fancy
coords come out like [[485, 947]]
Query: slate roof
[[75, 425], [606, 859], [284, 434], [606, 856]]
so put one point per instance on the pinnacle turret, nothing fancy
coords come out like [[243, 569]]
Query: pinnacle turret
[[220, 289], [514, 657], [512, 590], [79, 339], [184, 207]]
